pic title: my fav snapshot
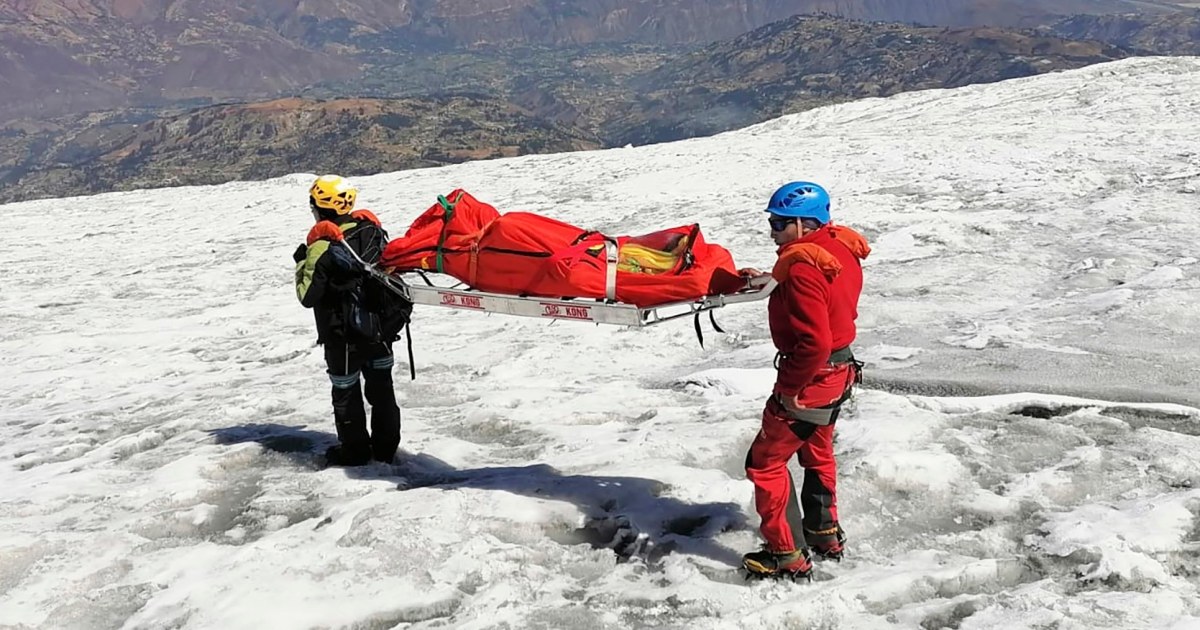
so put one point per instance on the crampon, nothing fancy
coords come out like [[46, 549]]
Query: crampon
[[795, 576], [827, 544], [794, 565]]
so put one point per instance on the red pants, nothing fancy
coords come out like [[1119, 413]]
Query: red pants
[[774, 493]]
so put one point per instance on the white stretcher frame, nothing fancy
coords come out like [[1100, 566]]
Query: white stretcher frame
[[594, 310]]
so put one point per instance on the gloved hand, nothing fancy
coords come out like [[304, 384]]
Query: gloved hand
[[750, 272], [343, 261], [301, 253]]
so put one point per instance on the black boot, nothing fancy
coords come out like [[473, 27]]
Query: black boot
[[827, 544], [385, 418], [354, 444], [341, 455], [385, 413]]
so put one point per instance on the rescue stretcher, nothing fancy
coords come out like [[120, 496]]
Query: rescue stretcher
[[594, 310], [529, 265]]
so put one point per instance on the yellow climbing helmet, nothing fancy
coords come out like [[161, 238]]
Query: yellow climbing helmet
[[332, 193]]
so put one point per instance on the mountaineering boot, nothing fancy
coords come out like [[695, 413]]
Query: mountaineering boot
[[341, 455], [827, 544], [385, 413], [766, 563]]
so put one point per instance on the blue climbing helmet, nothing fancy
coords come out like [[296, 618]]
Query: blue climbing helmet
[[801, 200]]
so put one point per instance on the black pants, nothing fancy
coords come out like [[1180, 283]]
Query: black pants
[[345, 363]]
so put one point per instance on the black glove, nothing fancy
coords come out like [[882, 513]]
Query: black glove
[[345, 263], [301, 253]]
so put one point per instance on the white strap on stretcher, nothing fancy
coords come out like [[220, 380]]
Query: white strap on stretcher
[[610, 279]]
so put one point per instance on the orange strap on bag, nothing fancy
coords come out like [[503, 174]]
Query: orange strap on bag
[[324, 230], [366, 215]]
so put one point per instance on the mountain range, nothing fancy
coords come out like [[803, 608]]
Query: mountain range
[[107, 95], [122, 53]]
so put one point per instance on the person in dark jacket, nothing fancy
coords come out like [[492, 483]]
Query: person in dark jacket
[[329, 281], [812, 314]]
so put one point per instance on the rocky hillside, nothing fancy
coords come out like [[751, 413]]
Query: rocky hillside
[[266, 139], [1168, 34], [607, 97], [72, 56], [459, 22], [804, 62]]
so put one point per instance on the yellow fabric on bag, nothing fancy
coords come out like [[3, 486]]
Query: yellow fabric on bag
[[636, 258], [641, 259]]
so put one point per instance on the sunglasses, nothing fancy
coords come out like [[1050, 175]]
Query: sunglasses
[[780, 224]]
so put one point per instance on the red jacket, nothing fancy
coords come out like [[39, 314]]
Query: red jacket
[[813, 309]]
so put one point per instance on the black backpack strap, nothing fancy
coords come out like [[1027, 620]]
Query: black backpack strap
[[412, 368], [712, 318]]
